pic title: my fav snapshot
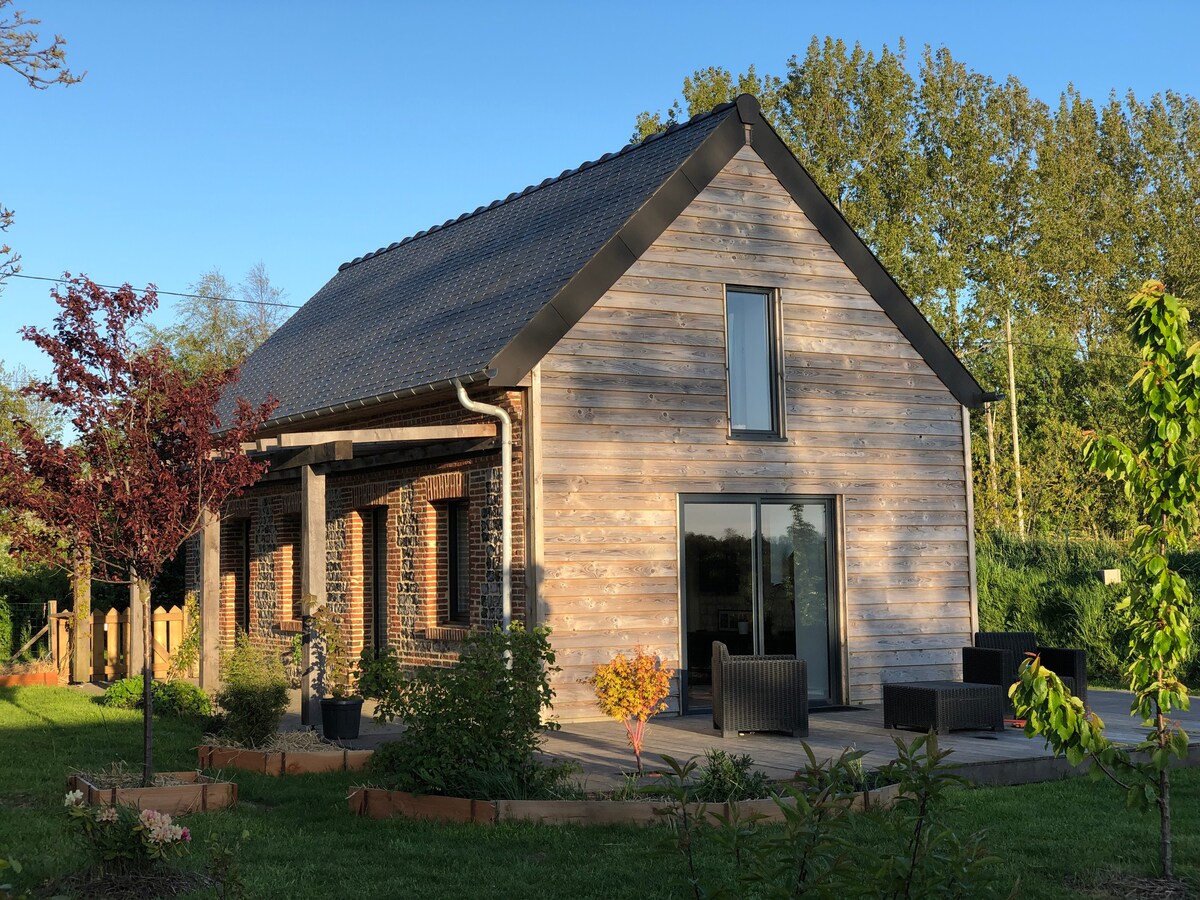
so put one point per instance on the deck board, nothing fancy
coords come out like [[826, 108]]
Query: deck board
[[601, 748]]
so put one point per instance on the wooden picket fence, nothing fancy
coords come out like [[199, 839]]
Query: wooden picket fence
[[110, 642]]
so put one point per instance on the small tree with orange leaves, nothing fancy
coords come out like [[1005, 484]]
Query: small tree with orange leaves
[[631, 691]]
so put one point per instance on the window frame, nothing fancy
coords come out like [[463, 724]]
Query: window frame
[[241, 604], [458, 580], [775, 375]]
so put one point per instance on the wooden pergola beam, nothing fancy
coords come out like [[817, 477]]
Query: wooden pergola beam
[[373, 436], [295, 457]]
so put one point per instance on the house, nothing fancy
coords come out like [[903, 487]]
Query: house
[[728, 422]]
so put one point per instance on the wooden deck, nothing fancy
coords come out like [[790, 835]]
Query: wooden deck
[[1006, 757]]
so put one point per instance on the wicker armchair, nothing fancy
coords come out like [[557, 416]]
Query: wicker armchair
[[759, 693], [997, 655]]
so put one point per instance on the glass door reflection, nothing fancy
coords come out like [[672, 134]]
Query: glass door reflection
[[718, 596], [795, 588]]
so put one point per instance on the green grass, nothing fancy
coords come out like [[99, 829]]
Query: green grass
[[303, 842]]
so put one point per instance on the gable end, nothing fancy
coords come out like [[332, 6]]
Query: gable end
[[621, 251], [870, 272]]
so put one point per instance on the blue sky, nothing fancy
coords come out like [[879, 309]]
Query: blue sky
[[304, 134]]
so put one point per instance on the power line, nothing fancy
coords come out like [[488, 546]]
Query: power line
[[116, 287], [989, 346]]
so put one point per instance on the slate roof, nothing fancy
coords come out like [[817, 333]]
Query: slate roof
[[486, 295], [444, 302]]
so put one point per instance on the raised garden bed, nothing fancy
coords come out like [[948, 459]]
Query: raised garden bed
[[379, 803], [185, 792], [282, 762], [24, 679]]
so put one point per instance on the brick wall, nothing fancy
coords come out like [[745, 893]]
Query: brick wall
[[415, 576]]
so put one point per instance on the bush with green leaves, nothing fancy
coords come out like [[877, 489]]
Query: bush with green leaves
[[124, 694], [724, 777], [187, 652], [6, 630], [1052, 587], [125, 840], [171, 698], [918, 856], [181, 698], [473, 723], [379, 677], [254, 692]]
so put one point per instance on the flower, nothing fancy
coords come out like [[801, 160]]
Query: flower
[[160, 830], [106, 814], [73, 798]]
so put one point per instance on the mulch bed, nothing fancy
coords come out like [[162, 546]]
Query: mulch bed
[[1119, 886], [127, 887], [281, 742], [120, 777]]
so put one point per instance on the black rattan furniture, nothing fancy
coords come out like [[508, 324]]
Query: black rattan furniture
[[997, 655], [943, 706], [759, 693]]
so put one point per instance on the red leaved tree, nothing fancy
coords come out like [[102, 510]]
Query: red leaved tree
[[147, 461]]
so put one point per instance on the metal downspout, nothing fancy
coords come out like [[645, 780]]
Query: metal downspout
[[505, 488]]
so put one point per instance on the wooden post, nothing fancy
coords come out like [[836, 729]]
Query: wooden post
[[56, 648], [135, 659], [312, 577], [81, 625], [210, 601]]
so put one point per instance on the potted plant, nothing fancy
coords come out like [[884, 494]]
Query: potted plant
[[341, 711]]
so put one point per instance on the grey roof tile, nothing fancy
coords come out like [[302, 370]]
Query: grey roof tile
[[445, 301]]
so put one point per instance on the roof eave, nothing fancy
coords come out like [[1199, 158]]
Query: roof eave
[[376, 400]]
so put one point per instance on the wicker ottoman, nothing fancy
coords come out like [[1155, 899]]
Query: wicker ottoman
[[943, 706]]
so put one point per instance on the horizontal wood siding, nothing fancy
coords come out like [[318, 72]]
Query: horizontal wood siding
[[633, 412]]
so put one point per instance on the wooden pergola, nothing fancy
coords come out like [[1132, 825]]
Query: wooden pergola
[[314, 453]]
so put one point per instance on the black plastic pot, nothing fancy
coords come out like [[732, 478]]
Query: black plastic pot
[[340, 717]]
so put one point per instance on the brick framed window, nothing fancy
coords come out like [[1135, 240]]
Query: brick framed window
[[454, 563], [245, 579]]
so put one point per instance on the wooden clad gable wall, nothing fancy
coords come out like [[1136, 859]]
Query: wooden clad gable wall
[[633, 412]]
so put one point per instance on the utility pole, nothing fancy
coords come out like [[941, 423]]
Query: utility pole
[[989, 420], [1012, 406]]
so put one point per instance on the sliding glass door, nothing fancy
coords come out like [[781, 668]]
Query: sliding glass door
[[756, 576]]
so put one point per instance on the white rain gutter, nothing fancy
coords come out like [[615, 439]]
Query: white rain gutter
[[506, 444]]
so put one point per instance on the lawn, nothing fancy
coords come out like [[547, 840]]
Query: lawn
[[303, 843]]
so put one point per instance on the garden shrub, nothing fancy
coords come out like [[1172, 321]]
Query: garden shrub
[[171, 698], [6, 629], [187, 653], [379, 677], [914, 853], [182, 699], [124, 840], [254, 692], [474, 724], [1053, 588], [631, 690], [726, 777], [124, 694]]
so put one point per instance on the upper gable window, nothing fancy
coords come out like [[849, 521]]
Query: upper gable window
[[752, 362]]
